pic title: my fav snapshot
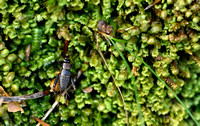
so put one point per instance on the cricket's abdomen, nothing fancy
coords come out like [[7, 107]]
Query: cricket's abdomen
[[64, 79]]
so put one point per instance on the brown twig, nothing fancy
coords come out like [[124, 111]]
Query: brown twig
[[25, 97], [41, 121], [65, 48]]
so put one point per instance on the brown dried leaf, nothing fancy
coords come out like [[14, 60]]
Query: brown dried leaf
[[43, 123], [87, 90], [1, 101], [134, 71], [14, 107], [3, 93]]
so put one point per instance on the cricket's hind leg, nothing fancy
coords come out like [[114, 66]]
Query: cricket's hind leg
[[73, 84]]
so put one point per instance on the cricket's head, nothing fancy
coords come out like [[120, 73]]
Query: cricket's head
[[66, 63]]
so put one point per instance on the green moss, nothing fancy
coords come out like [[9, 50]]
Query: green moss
[[167, 39]]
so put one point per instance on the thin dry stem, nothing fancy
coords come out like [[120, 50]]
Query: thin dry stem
[[112, 75], [154, 3], [107, 40]]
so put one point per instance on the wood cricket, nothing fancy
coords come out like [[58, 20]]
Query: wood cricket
[[63, 80]]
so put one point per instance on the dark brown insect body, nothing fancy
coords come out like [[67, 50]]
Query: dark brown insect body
[[104, 27]]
